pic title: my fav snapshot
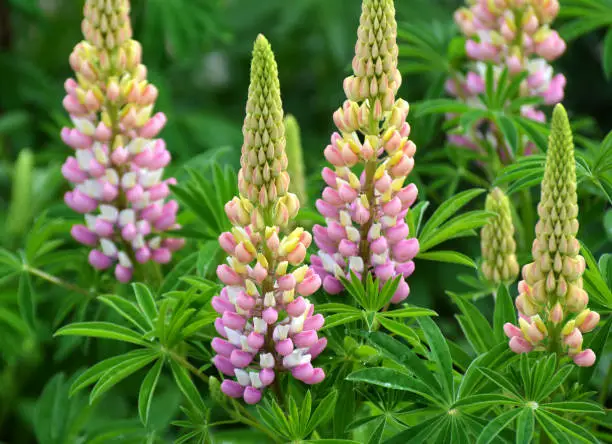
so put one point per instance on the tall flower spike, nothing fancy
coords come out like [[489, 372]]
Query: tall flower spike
[[551, 293], [118, 163], [267, 325], [511, 34], [295, 156], [499, 263], [365, 229]]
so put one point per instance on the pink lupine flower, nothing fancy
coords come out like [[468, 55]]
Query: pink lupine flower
[[266, 324], [513, 35], [365, 229], [118, 161]]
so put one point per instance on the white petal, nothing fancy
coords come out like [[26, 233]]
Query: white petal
[[233, 336], [90, 221], [255, 381], [242, 377], [124, 259], [266, 360], [129, 180], [352, 234], [127, 217], [108, 247], [109, 212]]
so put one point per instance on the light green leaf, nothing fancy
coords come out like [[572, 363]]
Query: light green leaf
[[452, 257], [106, 330], [147, 390]]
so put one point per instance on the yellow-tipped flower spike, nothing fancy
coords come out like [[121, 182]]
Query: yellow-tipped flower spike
[[552, 284], [263, 178], [497, 241], [555, 274]]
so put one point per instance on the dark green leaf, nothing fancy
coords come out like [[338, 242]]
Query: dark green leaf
[[105, 330], [525, 426], [27, 300], [504, 312], [494, 427]]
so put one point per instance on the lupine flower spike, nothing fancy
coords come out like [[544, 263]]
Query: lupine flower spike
[[118, 163], [512, 34], [552, 304], [499, 263], [367, 198], [295, 158], [266, 325]]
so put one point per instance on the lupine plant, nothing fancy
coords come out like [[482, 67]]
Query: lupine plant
[[398, 320]]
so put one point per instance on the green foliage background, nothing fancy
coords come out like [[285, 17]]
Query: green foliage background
[[198, 54]]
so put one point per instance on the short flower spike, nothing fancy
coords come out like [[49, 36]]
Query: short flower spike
[[118, 160], [551, 302], [367, 198], [267, 325], [499, 263]]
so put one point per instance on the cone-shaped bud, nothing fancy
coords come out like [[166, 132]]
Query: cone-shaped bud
[[552, 283], [118, 164], [295, 157], [367, 195], [263, 177], [375, 63], [266, 323], [499, 263]]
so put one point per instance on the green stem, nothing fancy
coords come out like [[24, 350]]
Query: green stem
[[603, 393], [57, 281]]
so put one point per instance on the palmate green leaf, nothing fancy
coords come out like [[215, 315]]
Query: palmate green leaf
[[440, 106], [458, 226], [522, 167], [573, 407], [500, 380], [571, 430], [147, 390], [494, 428], [594, 283], [406, 312], [119, 372], [525, 426], [440, 354], [510, 132], [335, 307], [184, 267], [207, 258], [94, 373], [448, 209], [354, 287], [305, 411], [27, 300], [9, 259], [550, 385], [322, 413], [486, 400], [475, 326], [186, 386], [597, 342], [400, 329], [341, 319], [146, 301], [128, 311], [415, 217], [392, 379], [504, 312], [106, 330], [426, 431], [398, 352], [377, 434], [451, 257], [535, 131]]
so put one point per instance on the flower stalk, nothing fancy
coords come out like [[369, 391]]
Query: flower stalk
[[367, 198]]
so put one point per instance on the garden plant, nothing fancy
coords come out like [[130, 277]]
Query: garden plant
[[188, 256]]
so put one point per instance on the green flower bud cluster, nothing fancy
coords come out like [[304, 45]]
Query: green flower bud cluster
[[497, 241]]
